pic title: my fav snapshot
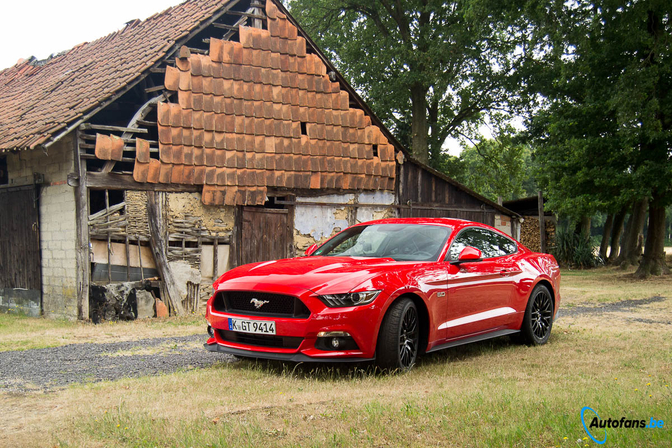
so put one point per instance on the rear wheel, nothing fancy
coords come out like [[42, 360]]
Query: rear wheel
[[538, 320], [399, 337]]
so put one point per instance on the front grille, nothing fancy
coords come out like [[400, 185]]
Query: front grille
[[277, 305], [261, 340]]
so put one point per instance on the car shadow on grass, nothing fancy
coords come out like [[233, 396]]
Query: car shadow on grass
[[324, 371]]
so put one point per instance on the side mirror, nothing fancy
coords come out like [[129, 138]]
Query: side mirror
[[310, 250], [469, 254]]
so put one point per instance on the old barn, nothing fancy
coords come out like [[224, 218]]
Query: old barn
[[210, 135]]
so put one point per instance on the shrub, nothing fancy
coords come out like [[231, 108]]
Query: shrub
[[576, 251]]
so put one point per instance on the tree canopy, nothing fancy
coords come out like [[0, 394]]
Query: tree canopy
[[429, 69]]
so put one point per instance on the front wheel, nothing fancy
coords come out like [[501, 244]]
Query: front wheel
[[399, 337], [538, 320]]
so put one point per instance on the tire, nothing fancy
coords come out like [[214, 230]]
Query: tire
[[538, 320], [399, 337]]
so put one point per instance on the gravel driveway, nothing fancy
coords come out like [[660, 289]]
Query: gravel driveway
[[48, 368]]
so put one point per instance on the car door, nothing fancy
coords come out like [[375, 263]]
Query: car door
[[479, 293]]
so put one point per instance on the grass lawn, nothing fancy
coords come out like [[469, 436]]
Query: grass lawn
[[23, 333], [493, 393]]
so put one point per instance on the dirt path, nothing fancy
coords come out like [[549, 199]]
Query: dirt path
[[48, 368]]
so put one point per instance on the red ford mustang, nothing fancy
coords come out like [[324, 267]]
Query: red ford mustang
[[388, 291]]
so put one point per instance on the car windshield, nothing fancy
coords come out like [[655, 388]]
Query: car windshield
[[401, 242]]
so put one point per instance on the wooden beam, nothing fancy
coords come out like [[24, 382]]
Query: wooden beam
[[101, 127], [154, 89], [247, 14], [114, 181], [542, 222], [223, 26], [82, 260], [158, 243], [215, 258]]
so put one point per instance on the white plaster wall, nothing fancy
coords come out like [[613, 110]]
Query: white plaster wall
[[365, 214], [321, 222]]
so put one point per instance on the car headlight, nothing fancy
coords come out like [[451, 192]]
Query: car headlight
[[349, 299]]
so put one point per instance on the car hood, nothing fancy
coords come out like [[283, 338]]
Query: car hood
[[322, 275]]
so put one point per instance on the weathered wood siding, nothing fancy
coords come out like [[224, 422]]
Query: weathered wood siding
[[19, 239], [429, 196]]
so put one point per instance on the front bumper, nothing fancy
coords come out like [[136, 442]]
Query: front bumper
[[361, 322], [291, 357]]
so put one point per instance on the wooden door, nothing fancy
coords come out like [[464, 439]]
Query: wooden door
[[265, 235], [19, 240]]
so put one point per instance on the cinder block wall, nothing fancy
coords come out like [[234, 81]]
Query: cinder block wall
[[57, 222]]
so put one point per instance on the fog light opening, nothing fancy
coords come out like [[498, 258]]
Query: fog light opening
[[211, 332], [335, 341]]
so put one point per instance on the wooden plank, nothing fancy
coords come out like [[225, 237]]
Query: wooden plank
[[142, 270], [158, 243], [116, 181], [264, 234], [109, 236], [247, 14], [236, 235], [101, 127], [128, 260], [19, 239], [223, 26], [83, 262], [215, 258], [291, 248]]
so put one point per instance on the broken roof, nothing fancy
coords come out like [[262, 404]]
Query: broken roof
[[41, 99]]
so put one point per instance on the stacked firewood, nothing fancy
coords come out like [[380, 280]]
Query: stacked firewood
[[529, 233], [531, 237]]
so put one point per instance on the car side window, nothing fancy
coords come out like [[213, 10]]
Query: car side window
[[489, 243]]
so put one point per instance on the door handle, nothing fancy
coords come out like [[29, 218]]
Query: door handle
[[508, 272]]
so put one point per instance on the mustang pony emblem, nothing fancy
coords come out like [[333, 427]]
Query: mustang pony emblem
[[258, 303]]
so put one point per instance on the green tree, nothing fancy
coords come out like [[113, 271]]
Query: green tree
[[429, 69], [495, 168], [604, 133]]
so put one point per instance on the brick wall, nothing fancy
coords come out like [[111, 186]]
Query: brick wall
[[57, 222]]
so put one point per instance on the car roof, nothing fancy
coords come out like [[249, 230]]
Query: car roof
[[450, 222]]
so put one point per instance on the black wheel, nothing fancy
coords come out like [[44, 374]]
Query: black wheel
[[399, 337], [538, 320]]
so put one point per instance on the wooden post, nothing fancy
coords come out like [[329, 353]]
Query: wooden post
[[215, 259], [142, 271], [158, 243], [128, 258], [542, 222], [82, 255], [109, 236]]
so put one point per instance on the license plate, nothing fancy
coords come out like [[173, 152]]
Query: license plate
[[252, 326]]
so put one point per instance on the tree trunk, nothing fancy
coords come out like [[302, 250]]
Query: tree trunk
[[653, 262], [606, 233], [629, 255], [583, 227], [419, 126], [616, 233]]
